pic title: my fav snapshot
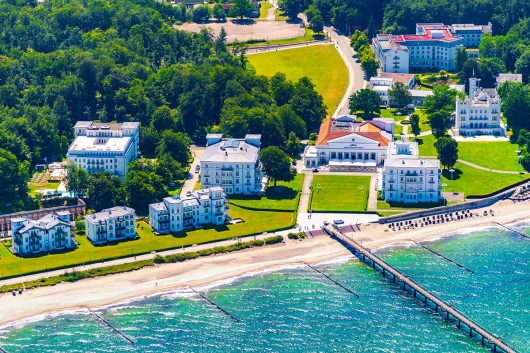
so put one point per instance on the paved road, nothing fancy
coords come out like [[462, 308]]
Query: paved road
[[193, 177], [356, 74]]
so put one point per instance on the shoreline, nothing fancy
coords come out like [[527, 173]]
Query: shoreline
[[218, 270]]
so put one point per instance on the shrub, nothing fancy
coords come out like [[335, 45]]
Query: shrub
[[296, 236]]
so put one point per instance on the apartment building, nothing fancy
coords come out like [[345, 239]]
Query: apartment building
[[202, 207], [105, 147], [111, 225], [233, 164]]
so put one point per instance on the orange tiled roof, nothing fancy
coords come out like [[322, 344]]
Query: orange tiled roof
[[376, 136], [369, 127], [367, 130]]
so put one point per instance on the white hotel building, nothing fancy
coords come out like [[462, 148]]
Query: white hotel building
[[111, 225], [104, 147], [233, 164], [49, 233], [408, 178], [202, 207], [479, 113], [433, 47]]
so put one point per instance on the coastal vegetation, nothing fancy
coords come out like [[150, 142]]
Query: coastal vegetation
[[321, 63], [136, 265], [339, 193]]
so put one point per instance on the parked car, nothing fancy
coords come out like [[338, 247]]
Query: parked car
[[188, 193], [338, 221], [197, 168], [326, 223], [315, 170]]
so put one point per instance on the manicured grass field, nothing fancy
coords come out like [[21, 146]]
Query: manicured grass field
[[254, 222], [340, 193], [322, 63], [426, 145], [495, 155], [472, 181], [284, 196], [424, 123]]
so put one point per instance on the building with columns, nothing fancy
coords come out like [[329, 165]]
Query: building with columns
[[479, 113], [202, 207], [50, 233], [105, 147]]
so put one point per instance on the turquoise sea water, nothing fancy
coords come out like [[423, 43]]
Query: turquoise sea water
[[298, 310]]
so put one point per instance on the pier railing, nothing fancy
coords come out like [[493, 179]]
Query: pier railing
[[418, 291]]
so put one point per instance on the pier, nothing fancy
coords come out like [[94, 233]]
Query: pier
[[335, 282], [443, 257], [448, 312], [214, 304], [121, 334], [513, 230], [2, 350]]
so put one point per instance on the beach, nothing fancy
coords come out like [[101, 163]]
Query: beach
[[209, 271]]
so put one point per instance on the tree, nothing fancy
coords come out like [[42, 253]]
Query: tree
[[143, 186], [292, 122], [176, 144], [201, 13], [291, 8], [219, 12], [368, 61], [523, 65], [14, 179], [104, 191], [282, 90], [461, 58], [366, 100], [242, 8], [307, 103], [371, 28], [277, 164], [516, 107], [292, 147], [447, 149], [399, 95], [77, 180], [163, 119], [439, 122], [415, 124], [317, 23], [358, 39], [443, 98]]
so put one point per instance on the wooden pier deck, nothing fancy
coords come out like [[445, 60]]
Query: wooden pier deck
[[445, 310]]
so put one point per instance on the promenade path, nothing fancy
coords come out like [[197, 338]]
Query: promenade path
[[193, 178], [476, 166], [280, 47]]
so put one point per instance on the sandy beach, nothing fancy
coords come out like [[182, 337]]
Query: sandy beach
[[207, 271]]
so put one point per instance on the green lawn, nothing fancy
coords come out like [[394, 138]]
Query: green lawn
[[424, 123], [308, 35], [284, 196], [426, 145], [254, 222], [340, 193], [472, 181], [495, 155], [322, 63]]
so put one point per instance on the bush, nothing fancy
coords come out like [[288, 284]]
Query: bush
[[296, 236]]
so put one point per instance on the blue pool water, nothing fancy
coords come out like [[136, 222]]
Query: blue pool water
[[298, 310]]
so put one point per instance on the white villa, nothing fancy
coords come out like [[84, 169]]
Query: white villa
[[409, 178], [384, 81], [506, 77], [479, 113], [233, 164], [49, 233], [104, 147], [111, 225], [347, 145], [174, 214]]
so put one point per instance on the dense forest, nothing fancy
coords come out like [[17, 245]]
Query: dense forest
[[121, 60], [400, 16]]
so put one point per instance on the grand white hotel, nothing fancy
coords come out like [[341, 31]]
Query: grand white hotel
[[104, 147]]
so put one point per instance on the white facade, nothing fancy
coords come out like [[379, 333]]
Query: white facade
[[479, 113], [408, 178], [111, 225], [233, 164], [471, 34], [105, 147], [433, 47], [382, 83], [202, 207], [49, 233], [346, 145]]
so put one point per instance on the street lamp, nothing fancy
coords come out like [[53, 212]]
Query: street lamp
[[451, 171]]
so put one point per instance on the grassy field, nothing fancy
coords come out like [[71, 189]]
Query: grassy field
[[340, 193], [495, 155], [322, 63], [426, 145], [284, 196], [472, 181], [254, 222], [308, 35], [424, 124]]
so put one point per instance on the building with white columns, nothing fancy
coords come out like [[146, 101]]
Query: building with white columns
[[111, 225], [409, 178], [49, 233], [479, 113], [202, 207], [105, 147]]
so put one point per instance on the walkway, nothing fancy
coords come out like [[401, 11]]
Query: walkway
[[193, 178], [271, 15], [356, 74], [305, 194], [278, 47], [476, 166]]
